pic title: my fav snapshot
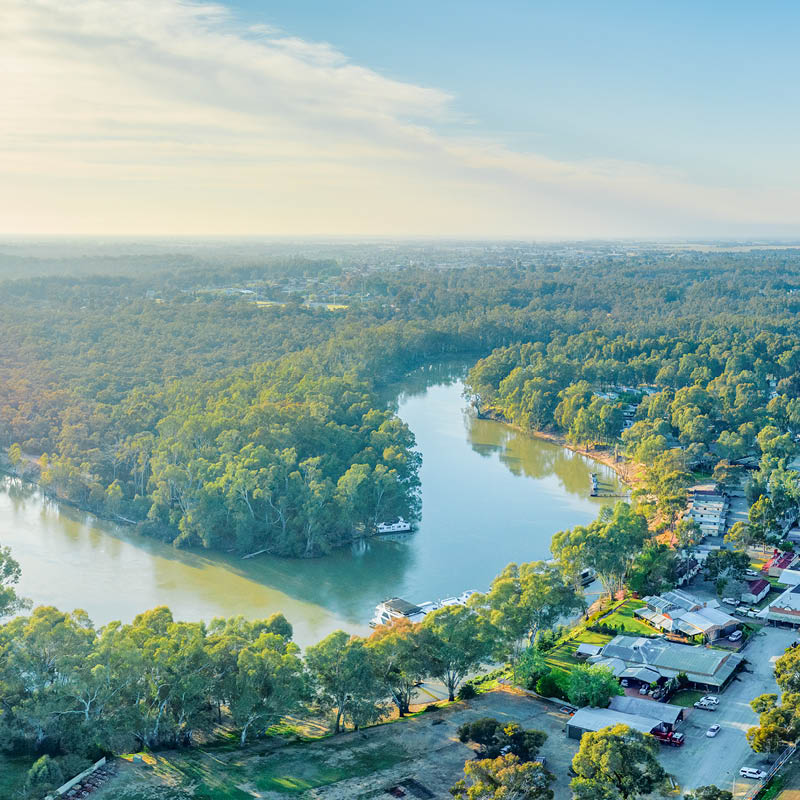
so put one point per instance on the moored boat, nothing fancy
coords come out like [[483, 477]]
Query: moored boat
[[398, 526]]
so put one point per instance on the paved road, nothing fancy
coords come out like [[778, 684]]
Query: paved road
[[702, 761]]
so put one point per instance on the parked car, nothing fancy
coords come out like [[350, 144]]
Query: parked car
[[624, 683], [644, 690], [751, 772], [712, 731], [710, 698], [705, 706], [730, 601], [751, 573], [735, 636]]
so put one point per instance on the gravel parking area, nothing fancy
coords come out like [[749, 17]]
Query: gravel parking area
[[704, 760]]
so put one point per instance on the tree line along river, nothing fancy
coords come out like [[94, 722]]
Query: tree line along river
[[490, 495]]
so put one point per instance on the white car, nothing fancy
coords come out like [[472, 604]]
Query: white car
[[730, 601], [712, 731], [750, 772], [751, 573], [735, 636], [710, 698]]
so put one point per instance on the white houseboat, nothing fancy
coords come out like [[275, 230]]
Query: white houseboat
[[397, 608], [399, 526]]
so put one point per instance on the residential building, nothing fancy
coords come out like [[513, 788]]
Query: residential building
[[682, 614], [756, 591], [785, 609], [779, 562], [705, 667], [708, 507]]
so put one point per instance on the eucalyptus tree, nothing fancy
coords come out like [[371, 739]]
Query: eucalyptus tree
[[344, 680], [455, 640], [524, 599], [608, 545]]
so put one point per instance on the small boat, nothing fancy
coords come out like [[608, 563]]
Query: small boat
[[587, 576], [399, 526]]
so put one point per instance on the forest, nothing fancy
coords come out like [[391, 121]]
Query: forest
[[238, 407], [241, 408]]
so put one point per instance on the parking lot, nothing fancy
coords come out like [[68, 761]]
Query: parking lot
[[704, 760]]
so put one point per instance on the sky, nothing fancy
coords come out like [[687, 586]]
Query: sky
[[534, 120]]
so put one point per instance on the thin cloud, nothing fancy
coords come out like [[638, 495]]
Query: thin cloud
[[157, 116]]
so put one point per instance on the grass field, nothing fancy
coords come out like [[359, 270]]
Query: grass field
[[562, 658], [622, 617]]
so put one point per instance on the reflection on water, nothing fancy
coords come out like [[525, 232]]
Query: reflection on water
[[490, 495]]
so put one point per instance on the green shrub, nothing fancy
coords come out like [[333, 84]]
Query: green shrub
[[467, 691], [548, 686]]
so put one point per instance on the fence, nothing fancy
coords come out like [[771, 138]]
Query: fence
[[779, 762]]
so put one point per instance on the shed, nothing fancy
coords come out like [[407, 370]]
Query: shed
[[586, 650], [585, 720], [756, 590], [666, 713]]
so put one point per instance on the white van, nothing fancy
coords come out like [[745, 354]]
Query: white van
[[750, 772]]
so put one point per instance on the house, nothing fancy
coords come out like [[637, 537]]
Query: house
[[669, 715], [756, 591], [790, 577], [708, 507], [779, 562], [704, 667], [683, 614], [784, 610]]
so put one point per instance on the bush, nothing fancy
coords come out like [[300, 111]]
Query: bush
[[531, 667], [548, 686], [494, 736], [467, 691], [547, 639]]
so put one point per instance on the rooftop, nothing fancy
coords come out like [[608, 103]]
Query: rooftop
[[402, 606], [665, 712], [593, 719], [701, 664]]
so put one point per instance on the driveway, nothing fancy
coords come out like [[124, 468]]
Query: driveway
[[702, 761]]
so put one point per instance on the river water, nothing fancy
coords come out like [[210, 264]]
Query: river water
[[490, 495]]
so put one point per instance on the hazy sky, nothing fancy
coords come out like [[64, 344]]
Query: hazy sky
[[530, 119]]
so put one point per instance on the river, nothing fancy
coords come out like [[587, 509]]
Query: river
[[490, 495]]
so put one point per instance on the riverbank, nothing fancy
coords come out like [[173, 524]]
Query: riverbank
[[478, 476], [627, 471]]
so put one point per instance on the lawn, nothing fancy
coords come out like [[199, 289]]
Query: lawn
[[622, 618], [562, 657], [686, 697]]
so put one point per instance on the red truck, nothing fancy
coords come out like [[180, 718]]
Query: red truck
[[672, 739]]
